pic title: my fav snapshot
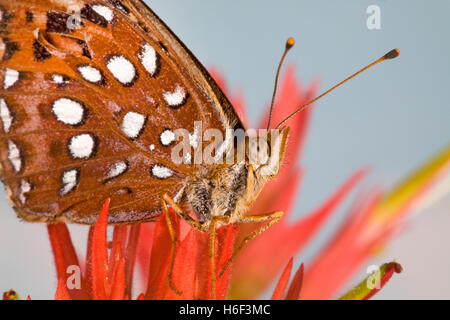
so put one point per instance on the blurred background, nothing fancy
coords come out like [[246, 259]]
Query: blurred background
[[392, 118]]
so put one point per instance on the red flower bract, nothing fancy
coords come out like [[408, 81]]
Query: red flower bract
[[108, 277]]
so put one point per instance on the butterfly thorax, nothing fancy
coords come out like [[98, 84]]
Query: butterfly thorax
[[219, 190]]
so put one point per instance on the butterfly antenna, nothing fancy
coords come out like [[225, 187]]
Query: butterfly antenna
[[390, 55], [289, 44]]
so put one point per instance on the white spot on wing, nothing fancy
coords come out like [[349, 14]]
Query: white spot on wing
[[69, 180], [167, 137], [81, 146], [117, 169], [11, 77], [149, 59], [122, 69], [132, 124], [14, 156], [5, 115], [161, 172], [152, 147], [175, 98], [122, 191], [25, 187], [57, 78], [90, 74], [105, 12], [68, 111], [194, 137]]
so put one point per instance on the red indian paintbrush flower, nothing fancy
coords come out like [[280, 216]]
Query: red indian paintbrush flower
[[108, 270]]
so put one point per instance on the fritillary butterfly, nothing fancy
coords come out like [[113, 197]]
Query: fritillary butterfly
[[92, 93]]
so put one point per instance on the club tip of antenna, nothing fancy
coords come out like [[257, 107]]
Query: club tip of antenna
[[290, 42], [394, 53]]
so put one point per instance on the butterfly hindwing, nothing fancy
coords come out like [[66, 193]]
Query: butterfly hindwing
[[88, 90]]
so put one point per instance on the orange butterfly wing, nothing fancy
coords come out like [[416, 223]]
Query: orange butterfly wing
[[90, 96]]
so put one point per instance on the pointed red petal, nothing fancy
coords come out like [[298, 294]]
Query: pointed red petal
[[99, 256], [369, 227], [203, 287], [280, 289], [118, 274], [130, 258], [141, 297], [88, 282], [296, 285], [253, 274], [120, 235], [344, 253], [65, 256], [226, 237], [144, 249], [61, 291], [184, 269], [160, 257]]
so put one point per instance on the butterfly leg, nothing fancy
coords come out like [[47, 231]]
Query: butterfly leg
[[212, 241], [186, 217], [173, 239], [274, 217]]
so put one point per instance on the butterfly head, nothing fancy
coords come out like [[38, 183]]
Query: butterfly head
[[265, 153]]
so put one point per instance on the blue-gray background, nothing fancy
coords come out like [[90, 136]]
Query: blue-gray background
[[392, 118]]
